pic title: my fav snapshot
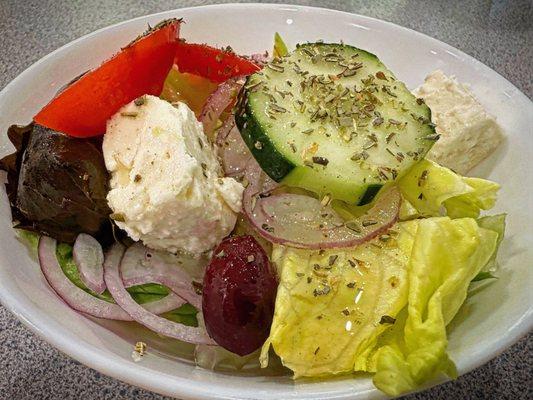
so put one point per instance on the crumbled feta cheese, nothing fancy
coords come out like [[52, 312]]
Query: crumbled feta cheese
[[467, 133], [166, 184]]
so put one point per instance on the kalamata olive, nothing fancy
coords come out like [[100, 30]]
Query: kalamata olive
[[239, 292]]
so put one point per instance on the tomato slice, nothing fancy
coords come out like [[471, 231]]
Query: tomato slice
[[83, 108], [214, 64]]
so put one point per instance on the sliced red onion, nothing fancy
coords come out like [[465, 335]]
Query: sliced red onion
[[260, 58], [168, 303], [138, 313], [232, 150], [302, 221], [259, 183], [75, 297], [224, 131], [80, 300], [218, 101], [89, 258], [141, 265]]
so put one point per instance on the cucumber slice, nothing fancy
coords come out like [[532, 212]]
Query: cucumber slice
[[331, 118]]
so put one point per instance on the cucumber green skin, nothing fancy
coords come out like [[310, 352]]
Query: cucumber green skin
[[274, 164], [272, 161], [369, 195], [269, 158]]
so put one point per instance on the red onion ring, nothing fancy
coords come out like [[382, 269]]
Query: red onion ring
[[75, 297], [218, 101], [232, 150], [168, 303], [260, 58], [141, 265], [89, 258], [302, 221], [259, 183], [224, 131], [138, 313], [80, 300]]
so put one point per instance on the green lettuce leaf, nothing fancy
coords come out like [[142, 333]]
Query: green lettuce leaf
[[432, 189], [146, 293], [30, 239], [186, 315]]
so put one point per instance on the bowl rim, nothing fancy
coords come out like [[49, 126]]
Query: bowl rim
[[140, 376]]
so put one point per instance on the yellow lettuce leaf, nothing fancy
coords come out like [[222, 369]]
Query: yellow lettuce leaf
[[380, 307], [434, 190], [280, 48], [407, 211], [494, 223], [438, 283], [330, 304]]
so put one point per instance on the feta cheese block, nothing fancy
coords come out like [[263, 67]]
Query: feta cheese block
[[167, 187], [467, 133]]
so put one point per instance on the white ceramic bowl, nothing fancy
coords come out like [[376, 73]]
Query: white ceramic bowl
[[490, 321]]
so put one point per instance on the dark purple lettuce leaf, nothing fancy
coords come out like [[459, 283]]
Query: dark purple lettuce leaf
[[57, 185]]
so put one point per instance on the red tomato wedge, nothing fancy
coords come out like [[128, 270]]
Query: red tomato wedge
[[83, 108], [209, 62]]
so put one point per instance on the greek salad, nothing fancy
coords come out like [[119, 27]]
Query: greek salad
[[300, 207]]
